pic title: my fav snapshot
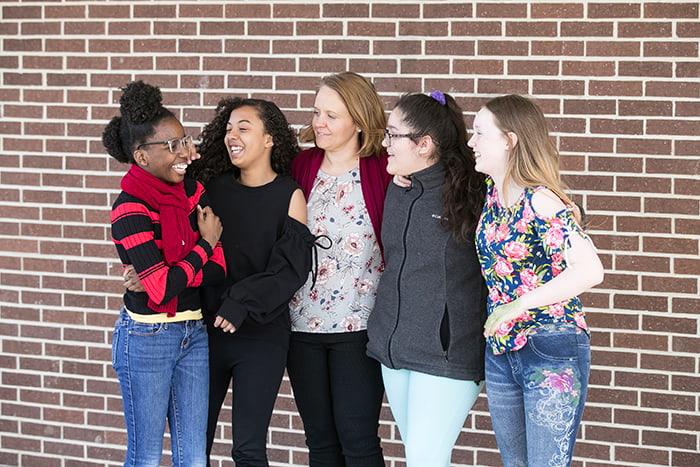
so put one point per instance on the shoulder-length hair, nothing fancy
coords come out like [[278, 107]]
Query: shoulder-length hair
[[364, 106]]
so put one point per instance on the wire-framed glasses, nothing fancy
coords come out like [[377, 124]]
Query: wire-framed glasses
[[175, 145]]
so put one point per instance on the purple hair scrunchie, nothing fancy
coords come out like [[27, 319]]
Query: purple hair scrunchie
[[438, 96]]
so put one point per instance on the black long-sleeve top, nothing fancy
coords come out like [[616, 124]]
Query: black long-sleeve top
[[268, 254]]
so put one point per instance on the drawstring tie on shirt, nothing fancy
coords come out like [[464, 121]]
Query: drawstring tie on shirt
[[317, 244]]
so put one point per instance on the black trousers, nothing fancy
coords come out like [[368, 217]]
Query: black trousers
[[255, 364], [338, 390]]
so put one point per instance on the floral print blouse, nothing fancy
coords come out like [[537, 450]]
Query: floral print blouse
[[520, 250], [348, 272]]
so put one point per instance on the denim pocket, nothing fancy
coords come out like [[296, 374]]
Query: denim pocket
[[555, 346], [147, 329]]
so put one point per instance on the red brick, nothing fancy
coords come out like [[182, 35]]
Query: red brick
[[614, 10], [671, 10], [668, 363], [669, 401], [640, 417], [673, 245], [407, 10]]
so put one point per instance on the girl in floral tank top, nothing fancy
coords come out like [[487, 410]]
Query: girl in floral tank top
[[536, 260], [520, 250]]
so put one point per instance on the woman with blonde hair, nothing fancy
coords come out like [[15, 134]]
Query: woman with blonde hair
[[536, 260], [338, 389]]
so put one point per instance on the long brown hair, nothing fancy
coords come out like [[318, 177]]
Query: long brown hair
[[364, 106], [534, 161], [464, 189]]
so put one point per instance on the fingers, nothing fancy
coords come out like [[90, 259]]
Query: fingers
[[225, 326]]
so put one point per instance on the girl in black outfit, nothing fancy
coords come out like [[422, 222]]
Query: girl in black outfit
[[246, 154]]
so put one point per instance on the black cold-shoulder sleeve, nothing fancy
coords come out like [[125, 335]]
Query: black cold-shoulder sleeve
[[264, 295]]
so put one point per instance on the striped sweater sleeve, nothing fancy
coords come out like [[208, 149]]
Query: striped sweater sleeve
[[137, 235]]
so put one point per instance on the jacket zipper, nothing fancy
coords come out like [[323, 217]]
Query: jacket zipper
[[400, 274]]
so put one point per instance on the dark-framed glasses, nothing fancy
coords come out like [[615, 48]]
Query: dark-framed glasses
[[388, 136], [175, 145]]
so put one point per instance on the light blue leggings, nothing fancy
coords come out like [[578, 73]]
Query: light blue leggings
[[430, 412]]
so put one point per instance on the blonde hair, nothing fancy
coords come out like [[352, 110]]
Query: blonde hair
[[364, 106], [534, 160]]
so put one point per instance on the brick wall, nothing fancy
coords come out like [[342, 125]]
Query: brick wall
[[619, 80]]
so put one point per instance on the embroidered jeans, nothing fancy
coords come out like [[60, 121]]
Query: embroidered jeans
[[163, 372], [536, 396]]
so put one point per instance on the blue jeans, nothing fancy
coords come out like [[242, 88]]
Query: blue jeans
[[163, 372], [429, 412], [536, 396]]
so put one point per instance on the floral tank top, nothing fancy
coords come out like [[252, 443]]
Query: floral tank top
[[348, 272], [520, 250]]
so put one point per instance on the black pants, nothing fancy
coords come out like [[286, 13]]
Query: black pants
[[338, 391], [256, 366]]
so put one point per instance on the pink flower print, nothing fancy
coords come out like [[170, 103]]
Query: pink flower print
[[556, 222], [494, 295], [520, 340], [529, 278], [490, 232], [516, 250], [350, 323], [321, 184], [325, 270], [580, 320], [556, 310], [295, 301], [522, 226], [319, 228], [314, 324], [560, 382], [342, 193], [503, 267], [502, 232], [554, 238], [353, 244], [365, 287], [503, 329], [528, 214]]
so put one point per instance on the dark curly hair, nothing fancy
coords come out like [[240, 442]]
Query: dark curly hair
[[215, 158], [141, 110], [465, 189]]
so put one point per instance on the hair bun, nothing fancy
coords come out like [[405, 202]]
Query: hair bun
[[140, 102]]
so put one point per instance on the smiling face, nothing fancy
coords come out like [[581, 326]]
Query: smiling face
[[157, 159], [490, 145], [246, 141], [334, 129], [406, 155]]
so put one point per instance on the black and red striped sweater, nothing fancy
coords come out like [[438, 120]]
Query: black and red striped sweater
[[136, 232]]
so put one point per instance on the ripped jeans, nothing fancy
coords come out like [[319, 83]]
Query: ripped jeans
[[536, 396]]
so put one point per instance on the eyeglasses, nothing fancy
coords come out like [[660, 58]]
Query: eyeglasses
[[388, 135], [175, 145]]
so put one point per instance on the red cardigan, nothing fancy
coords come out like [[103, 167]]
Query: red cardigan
[[374, 180]]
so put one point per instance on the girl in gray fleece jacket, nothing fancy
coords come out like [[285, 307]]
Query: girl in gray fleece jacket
[[426, 328]]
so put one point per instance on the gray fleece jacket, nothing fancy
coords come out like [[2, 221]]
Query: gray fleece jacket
[[431, 302]]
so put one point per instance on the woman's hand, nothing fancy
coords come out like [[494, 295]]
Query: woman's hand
[[131, 279], [209, 225], [503, 316], [225, 326]]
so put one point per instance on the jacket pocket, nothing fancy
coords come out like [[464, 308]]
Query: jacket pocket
[[445, 332]]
